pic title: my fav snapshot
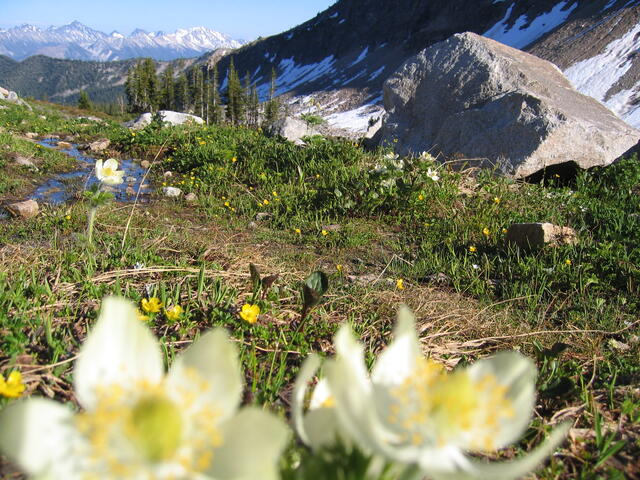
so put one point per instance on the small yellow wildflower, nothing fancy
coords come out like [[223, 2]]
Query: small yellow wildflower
[[567, 262], [400, 284], [227, 204], [234, 160], [265, 201], [68, 217], [504, 230], [298, 231], [133, 134], [325, 233], [473, 249], [497, 200], [420, 197], [142, 317], [201, 142], [339, 267], [486, 232], [249, 313], [317, 175], [13, 386], [151, 305], [173, 313], [274, 193]]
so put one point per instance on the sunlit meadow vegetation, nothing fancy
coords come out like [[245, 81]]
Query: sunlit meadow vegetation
[[384, 230]]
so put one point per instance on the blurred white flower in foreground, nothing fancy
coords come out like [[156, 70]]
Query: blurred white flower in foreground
[[411, 411], [108, 172], [139, 423], [433, 174]]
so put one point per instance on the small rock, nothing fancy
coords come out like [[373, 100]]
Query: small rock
[[145, 163], [191, 198], [535, 235], [54, 137], [130, 191], [31, 135], [42, 117], [368, 279], [616, 345], [21, 161], [261, 216], [252, 225], [64, 145], [4, 92], [26, 209], [167, 174], [332, 228], [171, 192], [438, 278], [99, 145], [131, 179]]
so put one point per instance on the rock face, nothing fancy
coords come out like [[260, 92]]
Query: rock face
[[9, 96], [168, 116], [472, 97], [26, 209], [536, 235], [291, 128]]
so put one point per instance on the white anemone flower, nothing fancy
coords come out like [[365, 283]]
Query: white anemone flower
[[433, 174], [318, 427], [139, 423], [411, 411], [108, 172]]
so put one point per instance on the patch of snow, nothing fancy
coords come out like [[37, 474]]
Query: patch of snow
[[596, 75], [377, 73], [289, 36], [609, 5], [334, 15], [356, 120], [622, 103], [293, 75], [342, 21], [518, 37], [361, 57]]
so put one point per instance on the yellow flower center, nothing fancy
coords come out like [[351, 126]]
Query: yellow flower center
[[108, 172], [156, 427], [434, 407]]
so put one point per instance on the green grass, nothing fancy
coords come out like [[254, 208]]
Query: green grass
[[384, 219]]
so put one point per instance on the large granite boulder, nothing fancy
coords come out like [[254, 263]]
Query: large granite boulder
[[291, 128], [168, 116], [9, 96], [472, 97]]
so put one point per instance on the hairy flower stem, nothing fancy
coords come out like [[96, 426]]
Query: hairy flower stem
[[91, 221]]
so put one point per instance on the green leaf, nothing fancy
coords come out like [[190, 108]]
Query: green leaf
[[318, 281]]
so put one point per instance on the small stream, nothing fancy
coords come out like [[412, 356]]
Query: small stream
[[69, 186]]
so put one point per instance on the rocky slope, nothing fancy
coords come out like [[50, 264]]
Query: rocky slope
[[79, 42], [354, 45]]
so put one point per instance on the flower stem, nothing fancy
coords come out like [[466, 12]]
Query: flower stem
[[92, 219]]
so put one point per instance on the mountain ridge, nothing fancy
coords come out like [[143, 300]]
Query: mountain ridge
[[76, 41]]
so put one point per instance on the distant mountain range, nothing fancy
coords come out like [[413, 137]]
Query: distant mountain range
[[79, 42]]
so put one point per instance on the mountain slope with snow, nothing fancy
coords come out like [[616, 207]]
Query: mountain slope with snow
[[357, 44], [79, 42]]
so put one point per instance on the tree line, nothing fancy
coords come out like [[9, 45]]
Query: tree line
[[198, 92]]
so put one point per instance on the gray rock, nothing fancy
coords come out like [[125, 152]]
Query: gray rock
[[536, 235], [471, 97], [145, 164], [99, 145], [21, 161], [262, 216], [31, 135], [332, 228], [14, 98], [374, 132], [293, 129], [65, 145], [4, 92], [191, 198], [171, 192], [168, 116], [26, 209], [130, 191]]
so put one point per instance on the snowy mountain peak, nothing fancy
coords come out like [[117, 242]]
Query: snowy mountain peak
[[76, 41]]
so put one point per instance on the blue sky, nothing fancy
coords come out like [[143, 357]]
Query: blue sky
[[245, 19]]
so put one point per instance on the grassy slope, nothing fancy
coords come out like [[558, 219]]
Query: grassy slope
[[394, 222]]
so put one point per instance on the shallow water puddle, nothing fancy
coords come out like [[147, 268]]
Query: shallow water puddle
[[68, 186]]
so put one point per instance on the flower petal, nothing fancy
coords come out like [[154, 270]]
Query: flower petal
[[119, 350], [306, 373], [253, 441], [111, 163], [518, 374], [477, 470], [398, 360], [215, 361], [37, 434]]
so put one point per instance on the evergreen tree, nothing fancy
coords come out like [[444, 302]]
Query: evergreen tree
[[215, 104], [272, 109], [235, 102], [182, 94], [83, 101], [253, 106], [148, 85], [197, 91], [168, 90]]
